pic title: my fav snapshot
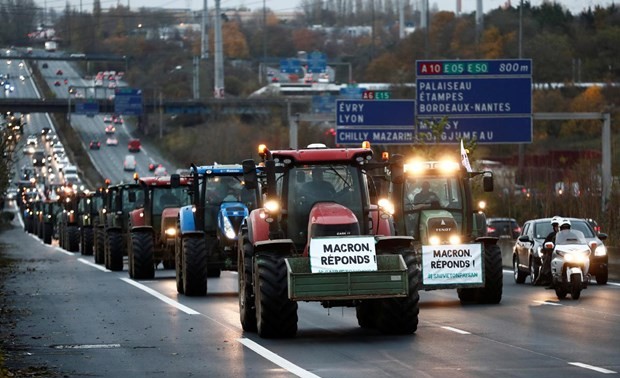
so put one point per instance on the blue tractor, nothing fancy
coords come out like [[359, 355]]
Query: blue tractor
[[206, 241]]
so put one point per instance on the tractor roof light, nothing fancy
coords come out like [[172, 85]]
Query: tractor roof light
[[415, 167], [365, 144], [448, 166]]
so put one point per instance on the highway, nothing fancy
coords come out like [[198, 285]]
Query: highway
[[86, 321]]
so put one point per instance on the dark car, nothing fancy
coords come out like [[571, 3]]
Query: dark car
[[95, 145], [527, 252], [499, 227], [59, 72], [44, 65]]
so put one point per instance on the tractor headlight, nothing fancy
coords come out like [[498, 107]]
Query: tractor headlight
[[272, 206], [229, 231], [386, 206], [171, 232], [454, 239], [434, 240], [600, 251]]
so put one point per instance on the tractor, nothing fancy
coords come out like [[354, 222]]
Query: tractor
[[120, 200], [433, 204], [319, 238], [206, 240], [153, 227], [88, 207], [67, 220]]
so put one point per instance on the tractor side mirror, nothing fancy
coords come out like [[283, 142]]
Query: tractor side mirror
[[175, 180], [487, 181], [249, 174]]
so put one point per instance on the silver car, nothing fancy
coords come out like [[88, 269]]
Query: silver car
[[527, 252]]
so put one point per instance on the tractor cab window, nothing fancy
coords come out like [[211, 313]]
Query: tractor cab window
[[164, 198], [225, 189], [309, 185], [135, 203], [431, 193]]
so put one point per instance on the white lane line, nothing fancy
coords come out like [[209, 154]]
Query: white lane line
[[101, 268], [63, 251], [161, 297], [456, 330], [548, 303], [88, 346], [276, 359], [595, 368], [613, 284]]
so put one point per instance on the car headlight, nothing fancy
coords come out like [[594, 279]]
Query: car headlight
[[171, 232], [600, 250]]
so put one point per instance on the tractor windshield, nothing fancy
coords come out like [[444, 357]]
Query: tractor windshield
[[308, 185], [425, 193], [165, 197], [222, 189]]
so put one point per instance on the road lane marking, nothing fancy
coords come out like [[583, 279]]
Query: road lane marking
[[101, 268], [456, 330], [613, 283], [549, 303], [87, 346], [595, 368], [276, 359], [161, 297], [63, 251]]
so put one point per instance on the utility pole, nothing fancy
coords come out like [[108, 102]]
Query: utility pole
[[401, 19], [204, 47], [218, 89]]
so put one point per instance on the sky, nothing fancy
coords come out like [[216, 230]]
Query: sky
[[574, 6]]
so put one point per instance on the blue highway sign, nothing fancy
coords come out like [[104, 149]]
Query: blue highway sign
[[317, 62], [290, 65], [375, 135], [375, 113], [128, 101], [88, 108], [482, 130]]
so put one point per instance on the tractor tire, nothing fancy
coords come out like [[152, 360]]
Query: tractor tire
[[87, 241], [366, 312], [276, 314], [178, 264], [467, 295], [518, 274], [114, 251], [48, 230], [99, 246], [141, 256], [194, 266], [247, 306], [73, 239], [491, 293], [400, 315], [602, 276]]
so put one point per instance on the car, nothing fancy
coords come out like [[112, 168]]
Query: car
[[107, 119], [38, 158], [46, 131], [11, 194], [44, 65], [160, 171], [94, 145], [129, 164], [110, 129], [594, 225], [134, 145], [527, 251], [59, 72], [111, 141], [57, 83], [32, 140], [118, 120], [499, 227]]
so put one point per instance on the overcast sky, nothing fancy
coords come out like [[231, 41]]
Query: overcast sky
[[575, 6]]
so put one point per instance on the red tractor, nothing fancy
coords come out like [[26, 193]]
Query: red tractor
[[153, 227], [319, 238]]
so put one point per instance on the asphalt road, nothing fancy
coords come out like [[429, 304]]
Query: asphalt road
[[81, 320]]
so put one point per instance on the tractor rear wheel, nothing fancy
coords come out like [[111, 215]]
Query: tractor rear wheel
[[48, 230], [73, 239], [178, 264], [491, 293], [99, 245], [87, 241], [247, 307], [400, 315], [114, 251]]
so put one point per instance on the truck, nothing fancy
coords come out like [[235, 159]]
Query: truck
[[153, 227], [206, 241], [51, 46], [433, 203], [318, 237]]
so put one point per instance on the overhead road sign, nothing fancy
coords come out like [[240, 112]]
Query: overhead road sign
[[375, 113], [483, 130], [290, 65], [128, 101], [317, 62], [86, 107], [490, 99], [380, 122], [352, 92]]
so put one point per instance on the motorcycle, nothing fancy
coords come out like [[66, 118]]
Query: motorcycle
[[570, 263]]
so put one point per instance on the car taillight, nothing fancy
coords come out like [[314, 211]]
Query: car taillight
[[517, 230], [490, 229]]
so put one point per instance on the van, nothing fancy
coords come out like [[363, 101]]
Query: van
[[130, 163]]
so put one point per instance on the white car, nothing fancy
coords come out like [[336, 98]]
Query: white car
[[111, 141], [130, 163]]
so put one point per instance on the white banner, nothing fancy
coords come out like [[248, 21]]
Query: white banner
[[452, 264], [343, 254]]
